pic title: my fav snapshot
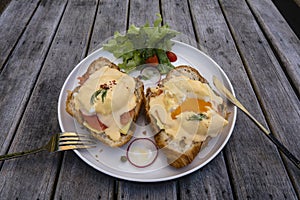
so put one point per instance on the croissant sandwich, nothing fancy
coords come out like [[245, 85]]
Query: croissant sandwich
[[184, 112]]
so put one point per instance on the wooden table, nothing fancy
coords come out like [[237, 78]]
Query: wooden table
[[41, 41]]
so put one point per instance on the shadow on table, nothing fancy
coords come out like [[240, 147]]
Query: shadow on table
[[290, 10], [3, 4]]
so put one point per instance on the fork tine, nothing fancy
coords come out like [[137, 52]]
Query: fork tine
[[70, 147], [71, 140], [76, 139], [75, 142], [72, 134], [66, 145]]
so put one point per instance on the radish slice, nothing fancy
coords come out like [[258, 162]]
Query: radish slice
[[150, 74], [142, 152]]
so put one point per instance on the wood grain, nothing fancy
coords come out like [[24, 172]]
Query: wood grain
[[31, 177], [11, 29], [279, 101], [246, 151], [106, 23], [210, 182], [18, 77], [284, 41], [177, 15], [142, 11], [133, 190], [77, 180]]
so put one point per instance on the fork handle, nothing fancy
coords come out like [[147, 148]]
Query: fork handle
[[19, 154]]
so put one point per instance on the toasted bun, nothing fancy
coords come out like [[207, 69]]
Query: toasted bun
[[178, 153], [184, 70], [70, 105]]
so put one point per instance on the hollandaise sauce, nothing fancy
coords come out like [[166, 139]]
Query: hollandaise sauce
[[106, 100], [187, 109]]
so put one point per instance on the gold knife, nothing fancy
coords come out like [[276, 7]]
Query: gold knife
[[221, 88]]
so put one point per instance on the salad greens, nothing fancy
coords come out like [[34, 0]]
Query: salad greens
[[139, 44]]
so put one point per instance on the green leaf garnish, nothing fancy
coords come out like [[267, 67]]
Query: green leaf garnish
[[139, 43], [103, 93], [198, 117]]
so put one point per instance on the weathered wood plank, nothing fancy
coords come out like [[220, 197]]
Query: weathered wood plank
[[210, 182], [106, 23], [142, 11], [29, 178], [79, 181], [20, 73], [280, 103], [282, 38], [133, 190], [177, 15], [249, 155], [12, 29]]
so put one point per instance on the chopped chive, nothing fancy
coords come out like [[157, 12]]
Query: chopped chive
[[198, 117], [103, 93]]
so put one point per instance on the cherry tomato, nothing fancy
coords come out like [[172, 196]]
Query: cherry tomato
[[152, 60], [172, 56]]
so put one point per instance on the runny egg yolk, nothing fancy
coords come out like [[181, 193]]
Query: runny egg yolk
[[190, 104]]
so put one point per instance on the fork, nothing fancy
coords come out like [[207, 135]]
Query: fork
[[58, 142]]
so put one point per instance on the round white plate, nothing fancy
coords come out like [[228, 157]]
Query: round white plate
[[108, 160]]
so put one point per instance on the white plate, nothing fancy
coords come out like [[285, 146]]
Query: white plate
[[107, 160]]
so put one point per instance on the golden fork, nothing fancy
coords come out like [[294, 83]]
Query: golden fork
[[221, 88], [58, 142]]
